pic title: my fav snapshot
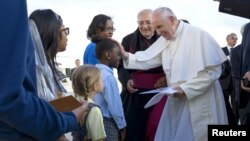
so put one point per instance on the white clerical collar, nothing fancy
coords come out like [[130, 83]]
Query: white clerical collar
[[179, 30]]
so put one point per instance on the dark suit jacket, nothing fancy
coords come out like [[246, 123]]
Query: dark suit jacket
[[235, 7], [226, 77], [235, 59], [71, 73], [246, 49], [225, 50], [227, 87], [245, 55]]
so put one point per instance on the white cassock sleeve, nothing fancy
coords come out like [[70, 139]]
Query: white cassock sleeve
[[201, 83], [133, 63]]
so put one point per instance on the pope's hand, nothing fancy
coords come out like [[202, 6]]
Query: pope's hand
[[179, 92], [124, 54]]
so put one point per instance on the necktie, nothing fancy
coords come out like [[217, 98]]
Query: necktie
[[229, 53]]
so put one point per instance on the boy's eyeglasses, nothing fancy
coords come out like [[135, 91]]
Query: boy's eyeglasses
[[66, 30]]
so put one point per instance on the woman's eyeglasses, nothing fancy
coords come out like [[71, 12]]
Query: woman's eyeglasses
[[109, 29], [65, 30]]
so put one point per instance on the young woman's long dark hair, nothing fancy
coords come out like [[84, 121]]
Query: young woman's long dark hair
[[48, 24]]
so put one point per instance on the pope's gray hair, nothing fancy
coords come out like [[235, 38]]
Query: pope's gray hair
[[165, 11]]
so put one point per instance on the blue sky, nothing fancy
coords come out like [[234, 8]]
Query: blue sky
[[77, 14]]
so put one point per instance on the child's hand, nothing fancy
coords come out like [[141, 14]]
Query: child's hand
[[122, 134]]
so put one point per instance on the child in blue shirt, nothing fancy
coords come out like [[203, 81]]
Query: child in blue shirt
[[107, 51]]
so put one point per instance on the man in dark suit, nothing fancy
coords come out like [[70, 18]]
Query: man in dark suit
[[241, 8], [226, 82], [231, 42], [245, 72], [77, 63], [240, 69], [226, 79], [235, 61], [235, 58]]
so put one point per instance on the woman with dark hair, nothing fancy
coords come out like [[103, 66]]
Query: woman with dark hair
[[53, 35], [24, 116], [100, 27]]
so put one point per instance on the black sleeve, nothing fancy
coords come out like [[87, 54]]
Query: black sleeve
[[246, 48], [123, 74], [71, 74], [226, 69], [235, 61]]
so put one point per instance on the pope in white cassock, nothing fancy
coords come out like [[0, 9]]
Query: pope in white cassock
[[191, 60]]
